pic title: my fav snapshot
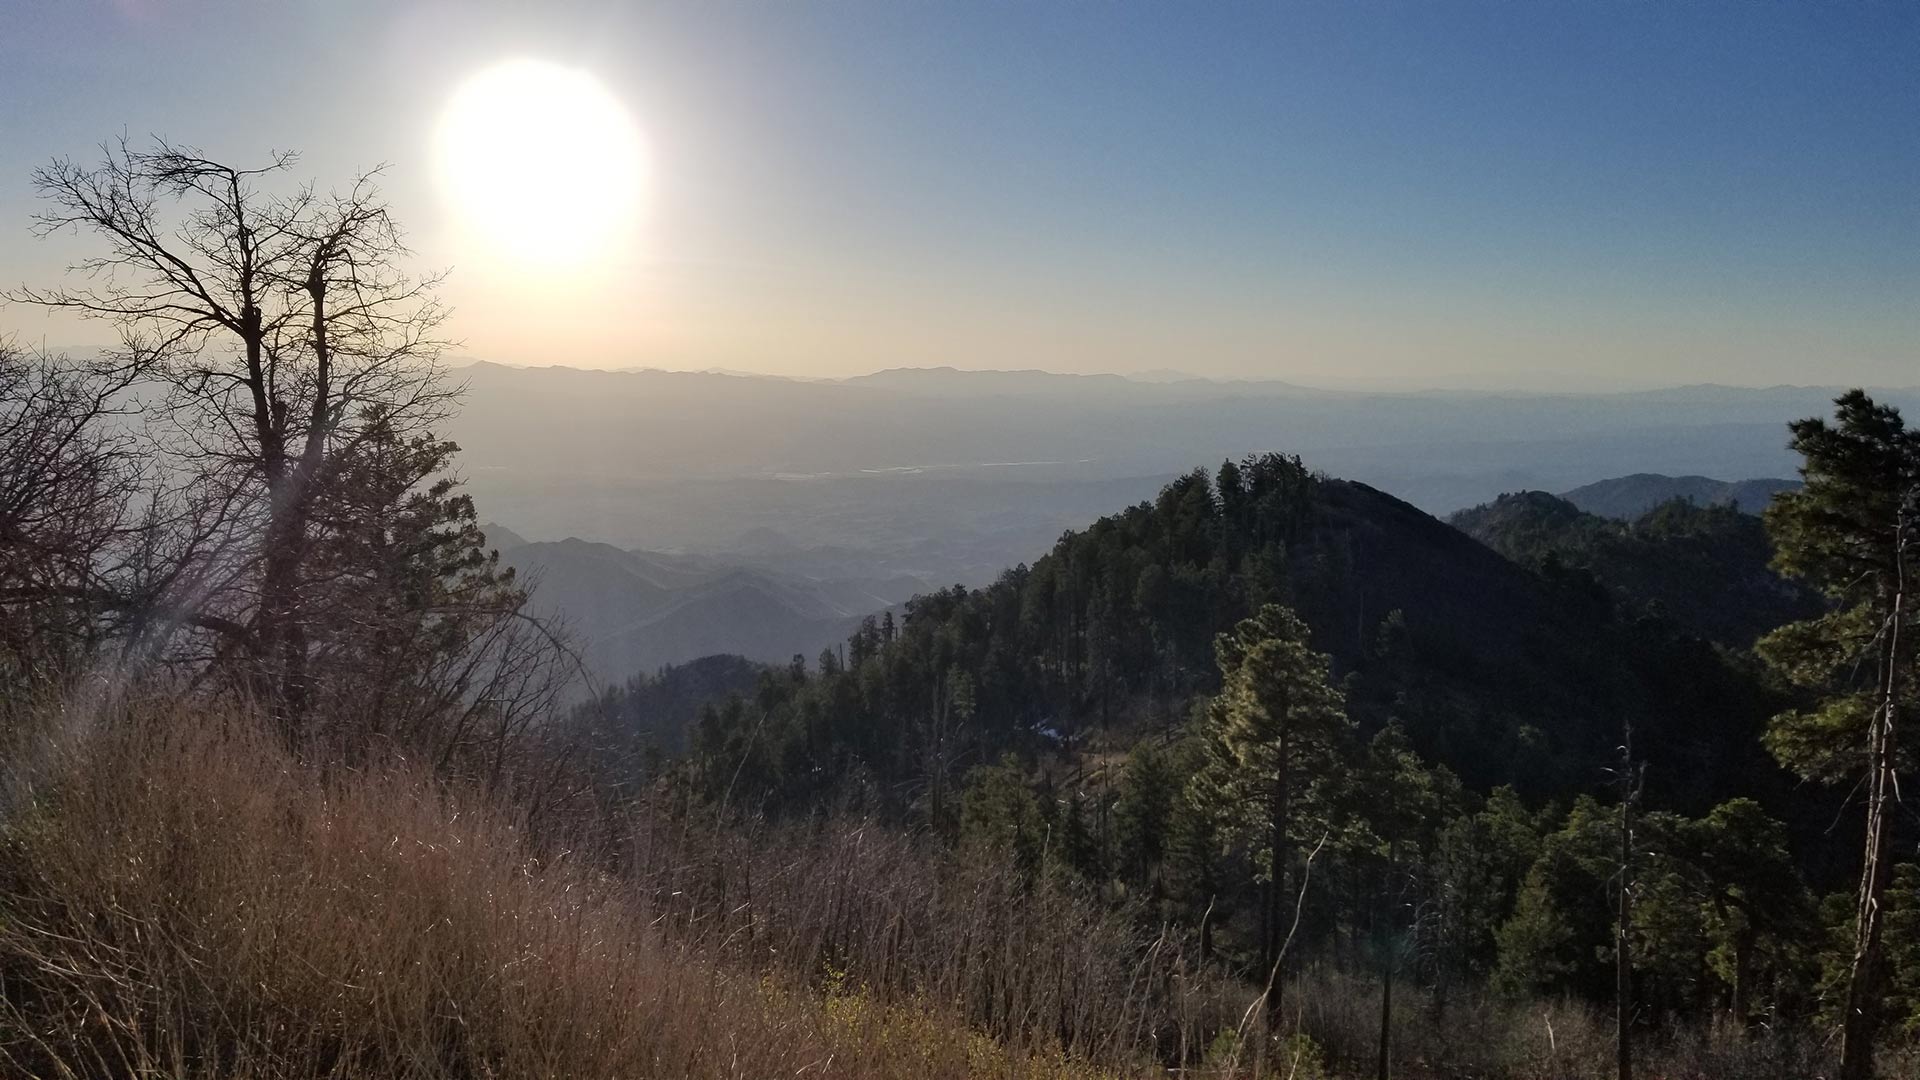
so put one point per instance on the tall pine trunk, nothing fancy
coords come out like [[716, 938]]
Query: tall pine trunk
[[1860, 1025], [1743, 970], [1274, 945], [1622, 949], [1392, 955]]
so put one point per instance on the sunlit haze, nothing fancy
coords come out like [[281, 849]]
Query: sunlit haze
[[1564, 195], [541, 162]]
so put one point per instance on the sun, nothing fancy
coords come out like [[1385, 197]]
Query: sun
[[542, 162]]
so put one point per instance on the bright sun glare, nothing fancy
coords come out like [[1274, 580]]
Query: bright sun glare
[[542, 162]]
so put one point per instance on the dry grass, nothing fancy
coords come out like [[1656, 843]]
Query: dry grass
[[1029, 962], [183, 900], [1472, 1033], [180, 897]]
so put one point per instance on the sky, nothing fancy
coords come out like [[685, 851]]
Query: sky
[[1568, 194]]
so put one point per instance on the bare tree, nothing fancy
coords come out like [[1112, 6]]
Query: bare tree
[[275, 320], [67, 475]]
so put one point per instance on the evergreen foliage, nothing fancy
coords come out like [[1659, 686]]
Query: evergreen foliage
[[1270, 706]]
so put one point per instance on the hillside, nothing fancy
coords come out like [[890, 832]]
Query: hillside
[[650, 714], [632, 612], [1628, 497], [1504, 674], [1707, 567]]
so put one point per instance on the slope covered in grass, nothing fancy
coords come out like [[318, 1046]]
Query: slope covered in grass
[[185, 899]]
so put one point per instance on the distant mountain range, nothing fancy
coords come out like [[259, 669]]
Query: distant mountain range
[[951, 475], [1628, 497], [766, 597], [632, 612]]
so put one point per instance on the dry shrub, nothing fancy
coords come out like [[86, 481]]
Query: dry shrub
[[182, 898], [1473, 1033], [1022, 957]]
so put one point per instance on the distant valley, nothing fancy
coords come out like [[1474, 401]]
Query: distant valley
[[679, 515], [633, 612], [951, 476]]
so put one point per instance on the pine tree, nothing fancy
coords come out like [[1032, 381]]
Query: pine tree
[[411, 614], [999, 811], [1278, 725], [1559, 937], [1404, 804], [1081, 850], [1143, 816], [1478, 865], [1752, 893], [1850, 531]]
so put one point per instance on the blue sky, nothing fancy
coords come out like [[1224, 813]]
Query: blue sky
[[1562, 193]]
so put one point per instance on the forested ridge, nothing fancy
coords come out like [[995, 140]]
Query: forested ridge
[[1707, 568], [1460, 818], [1504, 674]]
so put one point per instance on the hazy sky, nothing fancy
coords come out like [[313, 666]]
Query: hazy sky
[[1649, 192]]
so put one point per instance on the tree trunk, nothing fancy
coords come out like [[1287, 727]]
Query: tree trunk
[[1622, 952], [284, 635], [1206, 930], [1743, 972], [1860, 1024], [1275, 946], [1386, 975], [276, 641], [1386, 1022]]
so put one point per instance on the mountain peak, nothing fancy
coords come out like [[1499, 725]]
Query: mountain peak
[[1627, 497]]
